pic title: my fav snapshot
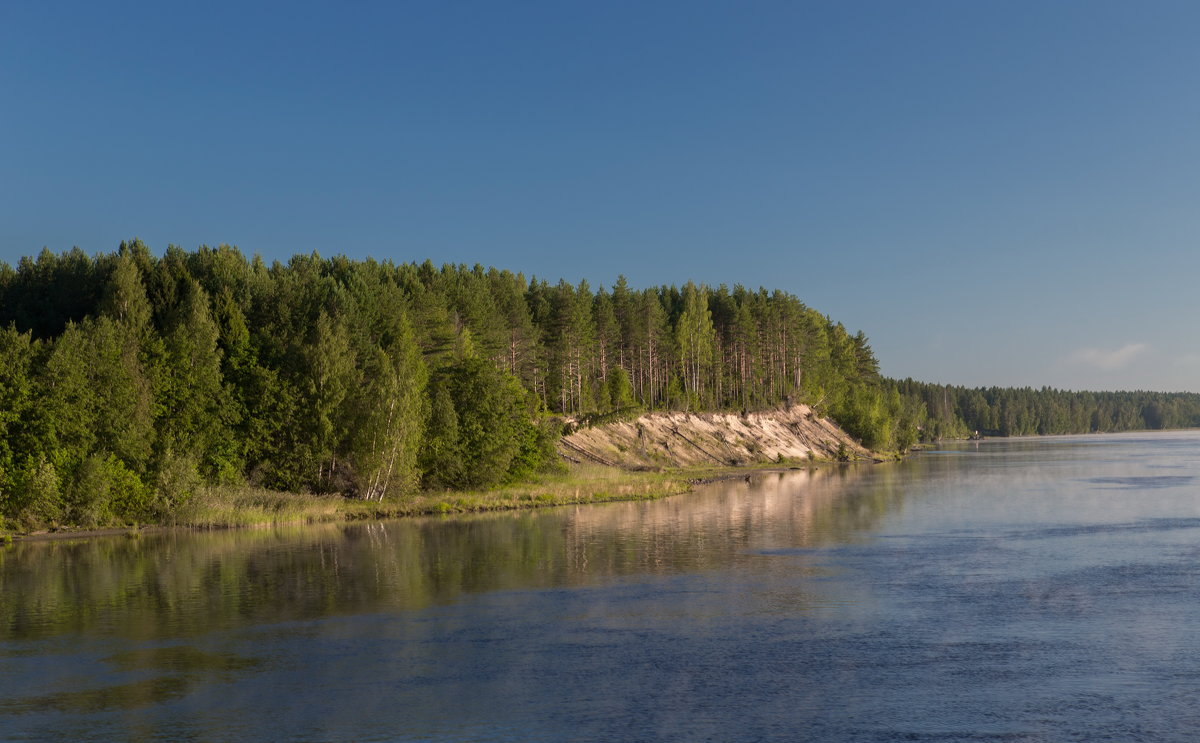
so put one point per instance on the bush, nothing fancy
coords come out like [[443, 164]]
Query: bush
[[104, 491], [178, 481], [480, 430], [34, 499]]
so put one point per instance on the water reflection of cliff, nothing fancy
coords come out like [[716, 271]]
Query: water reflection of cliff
[[178, 584]]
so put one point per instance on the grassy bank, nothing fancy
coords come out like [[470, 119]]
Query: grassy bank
[[582, 484], [231, 507]]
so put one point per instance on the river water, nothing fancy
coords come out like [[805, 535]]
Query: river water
[[1005, 590]]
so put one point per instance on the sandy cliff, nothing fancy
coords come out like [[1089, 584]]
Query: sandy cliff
[[708, 439]]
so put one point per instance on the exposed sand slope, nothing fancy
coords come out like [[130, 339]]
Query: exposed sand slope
[[689, 439]]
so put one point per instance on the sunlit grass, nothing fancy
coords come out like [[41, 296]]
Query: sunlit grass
[[581, 484], [233, 506], [226, 507]]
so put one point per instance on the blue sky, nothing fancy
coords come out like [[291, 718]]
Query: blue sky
[[995, 192]]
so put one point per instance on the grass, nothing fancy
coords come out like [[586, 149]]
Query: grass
[[582, 484], [221, 507], [225, 507], [234, 507]]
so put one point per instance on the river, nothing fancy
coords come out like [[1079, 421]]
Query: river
[[1005, 590]]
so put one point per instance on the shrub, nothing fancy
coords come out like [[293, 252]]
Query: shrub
[[104, 491], [34, 498]]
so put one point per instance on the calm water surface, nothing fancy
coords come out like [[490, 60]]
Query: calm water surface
[[1019, 590]]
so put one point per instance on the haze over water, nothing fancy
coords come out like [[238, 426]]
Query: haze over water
[[1026, 589]]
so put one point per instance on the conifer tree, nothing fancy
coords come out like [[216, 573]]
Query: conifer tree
[[330, 374]]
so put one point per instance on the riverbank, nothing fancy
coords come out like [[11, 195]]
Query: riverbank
[[234, 508], [792, 434], [654, 456], [230, 507]]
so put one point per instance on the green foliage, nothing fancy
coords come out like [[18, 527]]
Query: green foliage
[[480, 432], [124, 299], [589, 420], [536, 452], [104, 491], [32, 493], [958, 412], [390, 404], [177, 483], [695, 339], [17, 352], [441, 451], [620, 391], [131, 385], [863, 415], [330, 375]]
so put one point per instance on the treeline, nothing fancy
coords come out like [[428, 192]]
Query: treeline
[[129, 380], [959, 412]]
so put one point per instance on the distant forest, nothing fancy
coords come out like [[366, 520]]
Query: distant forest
[[959, 412], [129, 380]]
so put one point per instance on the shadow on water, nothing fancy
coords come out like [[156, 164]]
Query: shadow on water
[[181, 668], [129, 696]]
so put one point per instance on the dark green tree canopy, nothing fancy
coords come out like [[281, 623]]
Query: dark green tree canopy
[[129, 380]]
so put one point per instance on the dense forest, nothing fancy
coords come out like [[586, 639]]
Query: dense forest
[[959, 412], [129, 380]]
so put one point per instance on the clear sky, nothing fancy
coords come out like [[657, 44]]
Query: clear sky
[[996, 192]]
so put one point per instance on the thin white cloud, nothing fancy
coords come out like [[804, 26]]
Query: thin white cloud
[[1107, 360]]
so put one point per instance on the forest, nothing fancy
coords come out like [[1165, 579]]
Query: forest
[[130, 380], [959, 412]]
